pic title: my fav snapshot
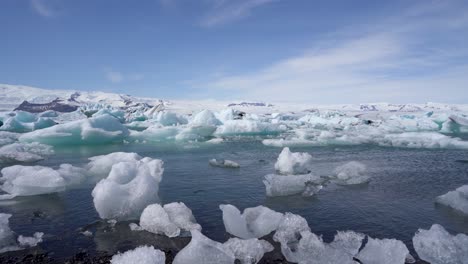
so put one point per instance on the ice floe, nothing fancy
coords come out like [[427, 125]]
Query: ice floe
[[140, 255], [352, 172], [457, 199], [437, 246]]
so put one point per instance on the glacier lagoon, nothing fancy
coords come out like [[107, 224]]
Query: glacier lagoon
[[398, 200]]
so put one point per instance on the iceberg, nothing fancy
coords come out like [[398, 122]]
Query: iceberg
[[255, 222], [96, 130], [351, 173], [33, 180], [288, 234], [25, 122], [140, 255], [223, 163], [293, 162], [383, 251], [204, 250], [128, 189], [285, 185], [457, 199], [24, 152], [102, 165], [437, 246], [248, 251]]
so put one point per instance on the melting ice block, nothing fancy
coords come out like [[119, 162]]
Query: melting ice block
[[24, 152], [293, 162], [437, 246], [254, 222], [223, 163], [284, 185], [33, 180], [383, 251], [97, 130], [248, 251], [140, 255], [129, 188], [351, 173], [102, 165], [30, 241], [168, 220], [457, 199], [204, 250]]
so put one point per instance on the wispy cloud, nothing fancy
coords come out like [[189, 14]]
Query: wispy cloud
[[118, 77], [223, 11], [399, 60], [43, 8]]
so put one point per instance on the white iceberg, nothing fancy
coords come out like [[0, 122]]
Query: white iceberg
[[255, 222], [383, 251], [248, 251], [293, 162], [457, 199], [140, 255], [129, 188], [24, 152], [351, 173], [437, 246], [223, 163], [285, 185]]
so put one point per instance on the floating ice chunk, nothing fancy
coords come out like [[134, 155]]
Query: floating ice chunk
[[102, 165], [288, 234], [192, 132], [457, 199], [129, 188], [168, 220], [140, 255], [7, 240], [118, 114], [383, 251], [170, 118], [205, 118], [24, 152], [254, 222], [155, 133], [248, 251], [135, 227], [437, 246], [422, 140], [87, 233], [215, 141], [8, 137], [248, 127], [97, 130], [284, 185], [352, 173], [25, 122], [204, 250], [30, 241], [293, 162], [224, 163], [33, 180]]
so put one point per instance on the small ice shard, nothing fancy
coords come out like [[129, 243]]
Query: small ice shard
[[33, 180], [129, 188], [293, 162], [102, 165], [288, 234], [135, 227], [7, 240], [351, 173], [140, 255], [97, 130], [224, 163], [281, 185], [457, 199], [204, 250], [248, 251], [87, 233], [24, 152], [30, 241], [437, 246], [254, 222], [383, 251]]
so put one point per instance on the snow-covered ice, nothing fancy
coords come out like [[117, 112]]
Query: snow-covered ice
[[457, 199], [352, 172], [437, 246], [293, 162], [140, 255]]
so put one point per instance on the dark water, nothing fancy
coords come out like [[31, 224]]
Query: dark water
[[398, 200]]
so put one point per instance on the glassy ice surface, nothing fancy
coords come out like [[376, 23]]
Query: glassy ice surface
[[398, 200]]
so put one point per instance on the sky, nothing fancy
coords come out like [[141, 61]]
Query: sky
[[321, 52]]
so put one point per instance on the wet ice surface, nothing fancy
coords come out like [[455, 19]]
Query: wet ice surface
[[398, 201]]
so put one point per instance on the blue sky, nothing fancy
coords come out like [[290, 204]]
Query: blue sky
[[269, 50]]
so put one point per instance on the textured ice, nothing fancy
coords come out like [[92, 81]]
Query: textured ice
[[255, 222], [248, 127], [129, 188], [24, 122], [30, 241], [33, 180], [205, 118], [8, 137], [102, 165], [118, 114], [168, 220], [97, 130], [423, 140], [293, 162], [290, 228], [204, 250], [166, 118], [383, 251], [140, 255], [351, 173], [24, 152], [284, 185], [457, 199], [437, 246], [248, 251], [223, 163]]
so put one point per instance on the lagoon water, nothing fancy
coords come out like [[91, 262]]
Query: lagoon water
[[398, 200]]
